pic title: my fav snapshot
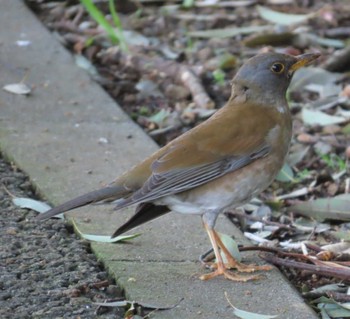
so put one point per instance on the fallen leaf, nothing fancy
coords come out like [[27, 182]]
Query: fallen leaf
[[228, 32], [135, 38], [332, 308], [313, 117], [330, 287], [297, 156], [160, 117], [231, 246], [308, 225], [327, 102], [286, 174], [282, 18], [245, 314], [148, 88], [128, 304], [337, 247], [313, 75], [297, 193], [336, 208], [33, 204], [326, 42], [250, 315], [84, 63], [17, 88], [103, 239], [273, 39]]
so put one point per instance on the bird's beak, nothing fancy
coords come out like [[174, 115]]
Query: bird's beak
[[303, 60]]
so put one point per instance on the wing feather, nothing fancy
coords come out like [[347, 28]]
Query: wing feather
[[176, 181]]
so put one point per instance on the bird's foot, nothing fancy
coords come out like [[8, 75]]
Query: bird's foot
[[223, 271], [250, 268], [233, 264]]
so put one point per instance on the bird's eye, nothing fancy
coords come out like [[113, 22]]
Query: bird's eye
[[277, 68]]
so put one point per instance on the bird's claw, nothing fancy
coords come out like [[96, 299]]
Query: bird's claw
[[229, 275]]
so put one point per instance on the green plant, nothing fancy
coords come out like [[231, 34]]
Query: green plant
[[219, 77], [189, 44], [301, 175], [144, 111], [188, 3], [334, 161], [115, 34]]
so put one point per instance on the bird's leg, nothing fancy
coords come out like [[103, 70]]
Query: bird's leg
[[221, 268], [233, 263]]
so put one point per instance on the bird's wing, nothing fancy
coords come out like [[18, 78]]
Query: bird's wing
[[204, 155], [176, 181]]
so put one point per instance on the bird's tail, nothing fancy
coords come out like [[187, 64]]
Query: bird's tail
[[110, 192], [145, 212]]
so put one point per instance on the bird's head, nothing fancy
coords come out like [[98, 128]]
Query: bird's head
[[268, 75]]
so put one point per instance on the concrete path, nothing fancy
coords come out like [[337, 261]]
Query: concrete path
[[53, 135]]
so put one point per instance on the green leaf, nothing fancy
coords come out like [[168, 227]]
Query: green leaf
[[228, 32], [282, 18], [333, 308], [323, 312], [342, 235], [346, 129], [187, 4], [17, 88], [313, 117], [247, 315], [297, 156], [286, 174], [333, 43], [231, 246], [118, 24], [96, 14], [33, 204], [103, 239], [336, 208], [29, 203], [330, 287], [160, 117], [251, 315]]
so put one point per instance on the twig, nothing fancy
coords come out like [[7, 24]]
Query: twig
[[258, 219], [319, 269], [314, 294], [338, 296], [7, 191]]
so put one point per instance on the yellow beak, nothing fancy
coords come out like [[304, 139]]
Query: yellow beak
[[303, 60]]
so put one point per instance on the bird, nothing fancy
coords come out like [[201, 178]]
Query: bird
[[220, 164]]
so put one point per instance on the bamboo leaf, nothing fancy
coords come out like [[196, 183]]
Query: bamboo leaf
[[282, 18], [336, 208]]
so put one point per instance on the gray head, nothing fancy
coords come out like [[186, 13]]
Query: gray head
[[267, 76]]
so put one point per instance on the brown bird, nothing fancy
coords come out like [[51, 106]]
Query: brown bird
[[222, 163]]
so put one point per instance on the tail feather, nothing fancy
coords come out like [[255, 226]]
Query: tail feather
[[114, 192], [145, 212]]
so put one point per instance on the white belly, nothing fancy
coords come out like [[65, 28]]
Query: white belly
[[229, 191]]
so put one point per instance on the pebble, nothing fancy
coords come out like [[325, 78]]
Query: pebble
[[307, 138]]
